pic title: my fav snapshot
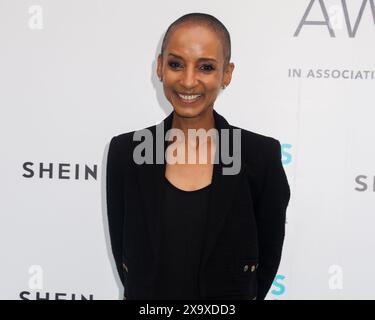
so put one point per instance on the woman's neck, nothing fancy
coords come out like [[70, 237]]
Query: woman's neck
[[204, 121]]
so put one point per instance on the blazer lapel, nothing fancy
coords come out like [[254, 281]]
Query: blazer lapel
[[222, 193], [223, 190], [150, 182]]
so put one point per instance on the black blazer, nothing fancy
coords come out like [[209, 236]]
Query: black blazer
[[246, 218]]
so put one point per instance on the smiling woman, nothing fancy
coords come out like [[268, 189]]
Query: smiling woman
[[187, 230], [194, 65]]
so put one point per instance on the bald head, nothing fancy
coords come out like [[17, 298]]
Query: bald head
[[206, 20]]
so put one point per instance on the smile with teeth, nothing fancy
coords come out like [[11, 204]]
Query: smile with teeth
[[189, 98]]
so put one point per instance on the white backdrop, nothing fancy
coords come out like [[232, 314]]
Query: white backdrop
[[75, 73]]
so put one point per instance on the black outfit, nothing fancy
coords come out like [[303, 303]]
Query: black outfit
[[183, 222], [245, 224]]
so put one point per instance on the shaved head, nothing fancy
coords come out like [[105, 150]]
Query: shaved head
[[206, 20]]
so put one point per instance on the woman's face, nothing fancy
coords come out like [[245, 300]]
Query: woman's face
[[192, 69]]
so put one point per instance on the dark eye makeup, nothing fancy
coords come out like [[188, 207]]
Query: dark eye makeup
[[206, 67], [209, 66], [173, 64]]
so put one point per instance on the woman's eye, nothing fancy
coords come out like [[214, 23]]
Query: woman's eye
[[177, 65], [174, 64], [207, 67]]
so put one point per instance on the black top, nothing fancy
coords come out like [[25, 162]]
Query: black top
[[183, 223]]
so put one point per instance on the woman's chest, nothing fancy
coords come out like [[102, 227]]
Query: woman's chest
[[189, 177]]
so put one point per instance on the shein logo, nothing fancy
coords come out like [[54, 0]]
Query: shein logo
[[60, 171], [27, 295], [352, 29]]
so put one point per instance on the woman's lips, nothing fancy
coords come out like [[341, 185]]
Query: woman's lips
[[189, 98]]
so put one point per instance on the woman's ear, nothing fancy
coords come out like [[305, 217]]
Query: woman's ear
[[228, 73], [160, 67]]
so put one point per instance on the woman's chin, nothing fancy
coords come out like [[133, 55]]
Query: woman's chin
[[187, 112]]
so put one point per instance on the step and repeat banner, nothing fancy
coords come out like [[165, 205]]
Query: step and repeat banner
[[74, 73]]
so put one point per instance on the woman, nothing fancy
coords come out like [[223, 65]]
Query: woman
[[186, 229]]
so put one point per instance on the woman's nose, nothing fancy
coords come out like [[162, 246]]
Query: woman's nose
[[189, 79]]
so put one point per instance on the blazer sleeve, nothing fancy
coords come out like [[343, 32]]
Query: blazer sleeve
[[270, 214], [115, 203]]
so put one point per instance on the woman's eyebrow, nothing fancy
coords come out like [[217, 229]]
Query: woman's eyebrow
[[200, 59]]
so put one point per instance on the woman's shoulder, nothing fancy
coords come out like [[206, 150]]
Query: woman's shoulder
[[125, 143], [121, 144], [258, 148], [120, 140], [251, 139]]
